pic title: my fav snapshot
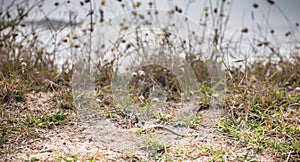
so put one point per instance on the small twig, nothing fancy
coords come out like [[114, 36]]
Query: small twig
[[288, 158], [172, 131]]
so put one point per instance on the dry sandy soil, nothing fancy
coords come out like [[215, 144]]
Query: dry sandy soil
[[86, 136]]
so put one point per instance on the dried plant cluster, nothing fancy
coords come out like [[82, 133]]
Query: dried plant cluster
[[262, 96]]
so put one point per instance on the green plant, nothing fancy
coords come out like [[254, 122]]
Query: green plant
[[33, 159], [264, 119], [68, 100], [67, 158], [153, 145], [57, 118]]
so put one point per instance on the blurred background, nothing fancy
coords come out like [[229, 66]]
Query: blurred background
[[242, 29]]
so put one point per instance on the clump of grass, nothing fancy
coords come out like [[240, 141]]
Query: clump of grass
[[67, 98], [57, 118], [263, 109], [68, 157], [25, 63], [26, 67], [13, 90], [154, 146], [281, 73], [155, 75]]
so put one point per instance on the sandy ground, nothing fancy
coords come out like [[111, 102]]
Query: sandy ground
[[97, 138]]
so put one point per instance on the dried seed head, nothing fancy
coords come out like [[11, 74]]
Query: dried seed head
[[75, 37], [134, 74], [141, 97], [244, 30], [171, 12], [177, 9], [23, 64], [128, 46], [7, 15], [215, 10], [15, 35], [255, 5], [56, 3], [265, 43], [138, 4], [288, 34], [206, 8], [141, 73], [141, 16], [134, 13], [271, 2], [147, 23], [222, 14]]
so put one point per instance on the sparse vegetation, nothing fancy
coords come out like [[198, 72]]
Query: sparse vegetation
[[262, 101]]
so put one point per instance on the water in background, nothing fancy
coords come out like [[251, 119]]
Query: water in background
[[56, 22]]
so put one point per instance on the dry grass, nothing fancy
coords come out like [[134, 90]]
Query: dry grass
[[38, 120]]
